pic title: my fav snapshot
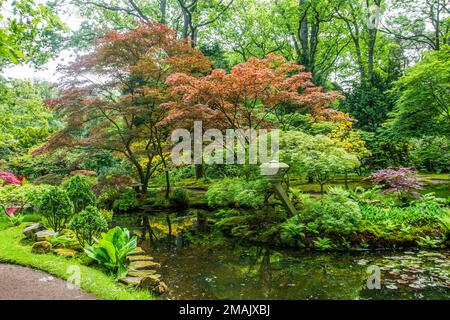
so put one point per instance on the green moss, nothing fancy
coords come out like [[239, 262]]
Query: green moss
[[14, 250]]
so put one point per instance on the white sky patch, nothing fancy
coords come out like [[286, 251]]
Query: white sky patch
[[48, 71]]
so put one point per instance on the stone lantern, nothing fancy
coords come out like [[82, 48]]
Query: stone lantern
[[275, 171]]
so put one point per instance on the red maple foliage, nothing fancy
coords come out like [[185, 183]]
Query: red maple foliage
[[244, 97], [111, 98]]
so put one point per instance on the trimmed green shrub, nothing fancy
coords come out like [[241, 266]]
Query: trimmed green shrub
[[126, 201], [79, 191], [88, 225], [179, 198], [56, 207], [334, 213], [237, 192]]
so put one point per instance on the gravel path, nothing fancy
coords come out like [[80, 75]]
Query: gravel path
[[20, 283]]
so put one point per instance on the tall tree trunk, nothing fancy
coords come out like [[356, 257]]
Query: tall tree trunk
[[199, 171], [163, 9], [303, 34]]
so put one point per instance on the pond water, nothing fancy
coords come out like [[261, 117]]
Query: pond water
[[228, 269]]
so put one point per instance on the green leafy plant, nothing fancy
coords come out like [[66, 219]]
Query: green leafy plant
[[112, 249], [428, 242], [79, 191], [237, 192], [334, 213], [88, 225], [226, 213], [15, 219], [180, 198], [323, 244], [107, 214], [126, 201], [292, 231], [56, 207]]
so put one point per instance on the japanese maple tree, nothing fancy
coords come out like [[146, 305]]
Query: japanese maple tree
[[111, 98], [400, 180], [244, 97]]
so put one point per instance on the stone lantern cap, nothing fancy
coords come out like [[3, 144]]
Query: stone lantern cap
[[274, 168]]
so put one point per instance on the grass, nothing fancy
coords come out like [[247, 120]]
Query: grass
[[14, 250]]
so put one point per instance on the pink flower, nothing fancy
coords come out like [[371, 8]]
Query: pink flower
[[11, 211], [9, 178]]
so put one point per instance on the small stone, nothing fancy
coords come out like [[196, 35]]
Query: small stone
[[65, 252], [31, 230], [44, 235], [149, 282], [131, 281], [137, 251], [161, 288], [41, 247], [139, 258], [139, 265], [141, 273]]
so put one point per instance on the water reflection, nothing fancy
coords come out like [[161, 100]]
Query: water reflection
[[196, 269]]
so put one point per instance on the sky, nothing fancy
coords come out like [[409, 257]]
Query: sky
[[47, 71]]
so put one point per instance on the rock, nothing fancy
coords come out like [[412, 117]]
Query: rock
[[30, 231], [137, 251], [161, 288], [149, 282], [139, 258], [131, 281], [44, 235], [65, 252], [141, 273], [41, 247], [139, 265]]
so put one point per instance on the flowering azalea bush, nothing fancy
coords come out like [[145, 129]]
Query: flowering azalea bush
[[400, 180], [9, 178]]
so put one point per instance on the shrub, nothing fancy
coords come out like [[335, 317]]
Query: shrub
[[422, 212], [88, 225], [292, 232], [56, 207], [112, 249], [430, 153], [180, 198], [318, 157], [237, 192], [126, 201], [79, 191], [53, 179], [400, 180], [334, 213], [226, 213], [323, 244], [107, 214]]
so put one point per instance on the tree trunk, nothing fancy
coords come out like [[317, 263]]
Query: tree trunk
[[163, 8], [303, 34], [199, 171]]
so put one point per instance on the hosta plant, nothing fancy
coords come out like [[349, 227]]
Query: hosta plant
[[112, 249]]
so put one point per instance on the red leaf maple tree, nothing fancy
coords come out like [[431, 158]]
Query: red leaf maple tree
[[111, 98], [245, 97]]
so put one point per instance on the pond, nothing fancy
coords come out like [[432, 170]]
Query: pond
[[228, 269]]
